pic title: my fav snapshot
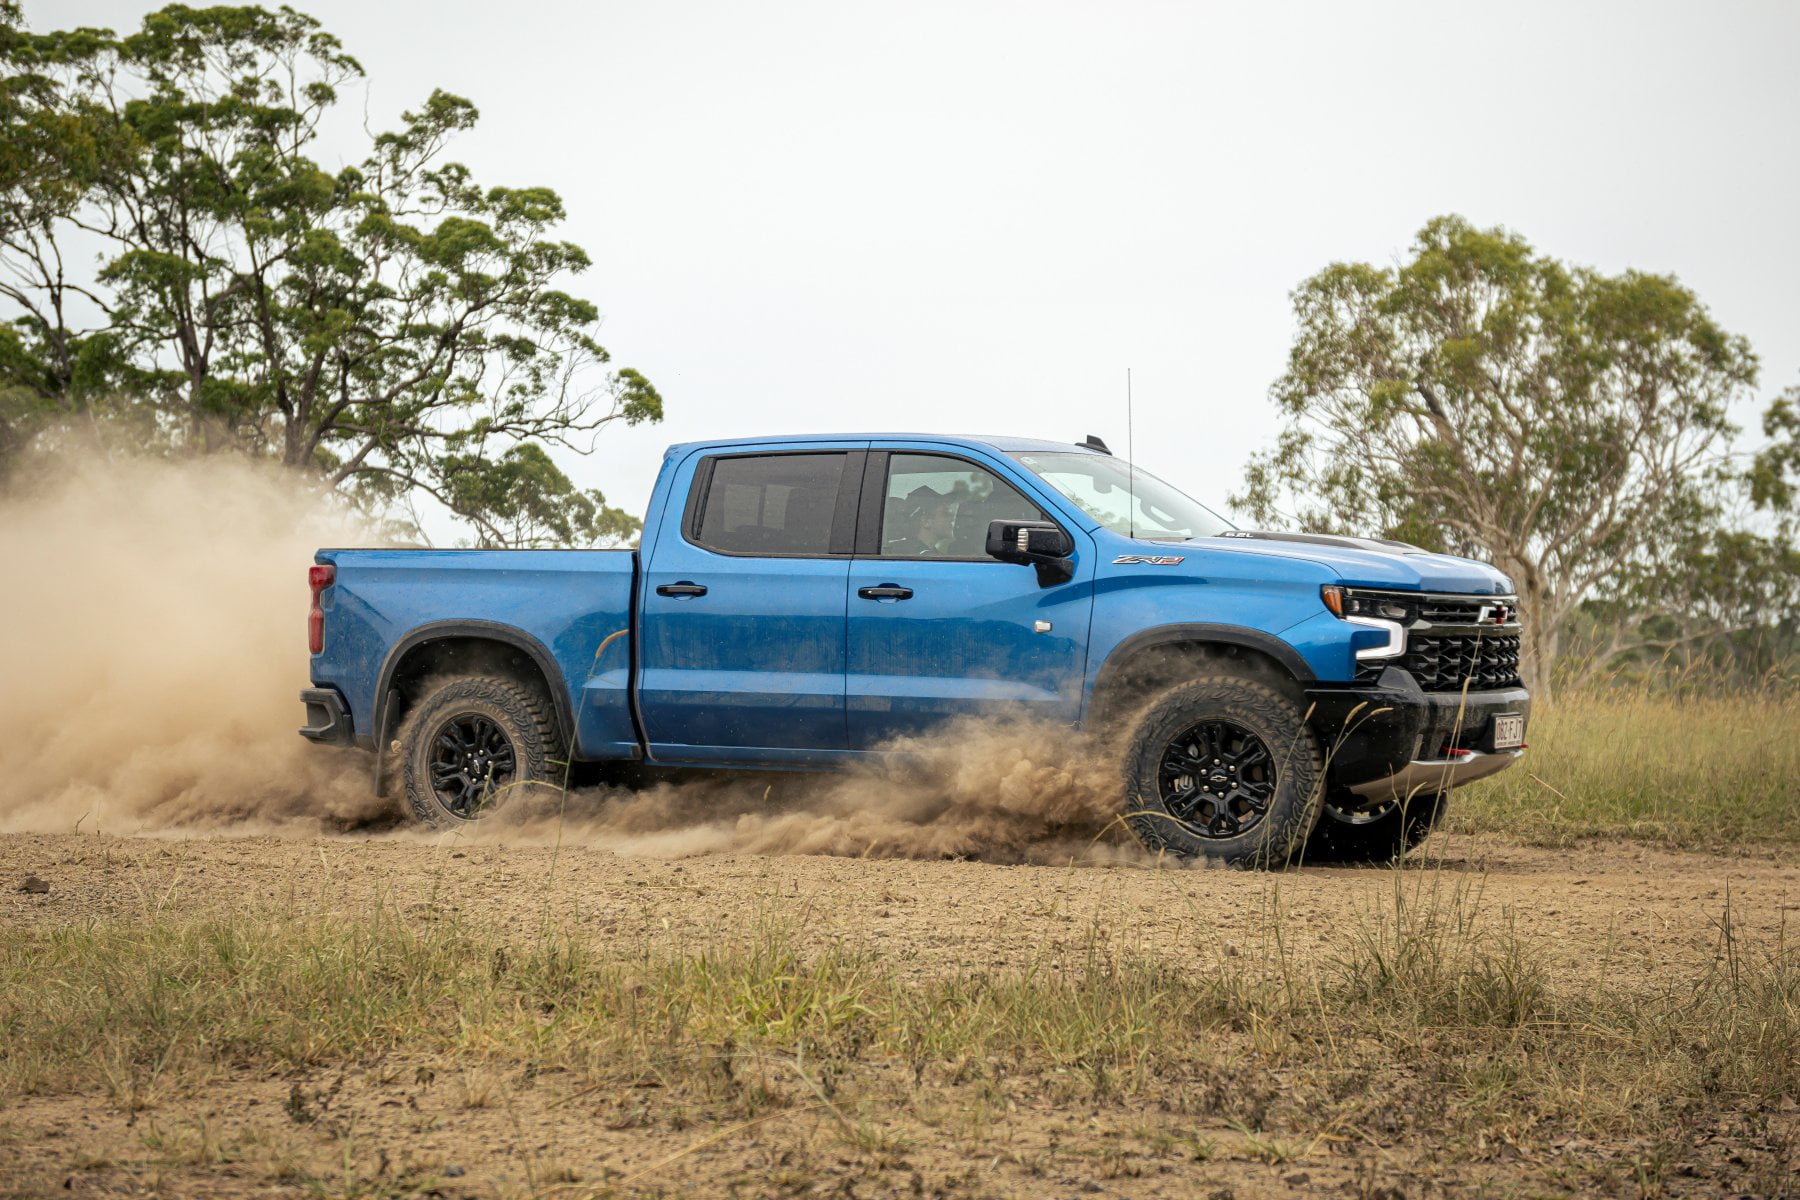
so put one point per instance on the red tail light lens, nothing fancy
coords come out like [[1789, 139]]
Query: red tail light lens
[[318, 578]]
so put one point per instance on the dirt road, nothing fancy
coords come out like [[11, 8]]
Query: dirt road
[[1616, 910], [1613, 906]]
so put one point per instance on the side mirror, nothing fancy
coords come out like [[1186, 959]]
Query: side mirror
[[1041, 544]]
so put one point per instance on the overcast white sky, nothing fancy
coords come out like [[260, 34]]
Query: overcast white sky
[[975, 216]]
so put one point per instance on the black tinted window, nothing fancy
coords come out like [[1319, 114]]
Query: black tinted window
[[778, 504]]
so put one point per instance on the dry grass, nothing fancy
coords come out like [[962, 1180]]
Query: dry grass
[[1708, 772], [1428, 1030], [1430, 1025]]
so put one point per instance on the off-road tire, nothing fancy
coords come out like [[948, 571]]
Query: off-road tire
[[1279, 834], [520, 713], [1382, 840]]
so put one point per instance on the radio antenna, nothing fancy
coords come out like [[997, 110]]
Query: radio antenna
[[1130, 463]]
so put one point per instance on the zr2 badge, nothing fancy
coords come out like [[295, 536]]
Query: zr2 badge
[[1149, 560]]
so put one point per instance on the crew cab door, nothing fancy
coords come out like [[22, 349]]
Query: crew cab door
[[939, 630], [742, 606]]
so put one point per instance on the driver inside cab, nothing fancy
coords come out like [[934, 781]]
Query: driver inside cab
[[933, 520]]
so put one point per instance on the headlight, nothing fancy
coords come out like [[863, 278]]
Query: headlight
[[1374, 612], [1347, 604]]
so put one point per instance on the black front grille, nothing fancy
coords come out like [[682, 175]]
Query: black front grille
[[1446, 610], [1452, 640], [1443, 662]]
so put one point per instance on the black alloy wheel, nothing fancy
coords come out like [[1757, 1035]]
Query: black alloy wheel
[[1217, 778], [472, 759], [1223, 768], [474, 742]]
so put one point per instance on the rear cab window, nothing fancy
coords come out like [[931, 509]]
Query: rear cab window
[[770, 505]]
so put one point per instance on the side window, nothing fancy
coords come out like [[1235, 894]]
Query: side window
[[940, 507], [770, 504]]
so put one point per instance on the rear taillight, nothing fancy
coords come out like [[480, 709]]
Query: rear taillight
[[319, 578]]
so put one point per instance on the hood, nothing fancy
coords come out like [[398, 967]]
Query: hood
[[1370, 562]]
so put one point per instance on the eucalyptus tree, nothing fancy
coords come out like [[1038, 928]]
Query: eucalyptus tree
[[1774, 476], [389, 327], [1572, 426]]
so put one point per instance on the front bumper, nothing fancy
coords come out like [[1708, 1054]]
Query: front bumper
[[1396, 739], [1426, 776], [327, 718]]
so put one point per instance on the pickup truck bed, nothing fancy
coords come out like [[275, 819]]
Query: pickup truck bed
[[556, 607]]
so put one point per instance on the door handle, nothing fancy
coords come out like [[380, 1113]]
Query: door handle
[[886, 591], [684, 588]]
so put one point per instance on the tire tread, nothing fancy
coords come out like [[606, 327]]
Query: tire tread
[[534, 738], [1282, 834]]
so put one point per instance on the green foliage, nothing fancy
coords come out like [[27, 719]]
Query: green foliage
[[1774, 477], [392, 327], [530, 501], [1571, 426], [1728, 602]]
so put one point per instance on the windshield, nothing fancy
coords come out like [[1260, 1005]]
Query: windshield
[[1124, 498]]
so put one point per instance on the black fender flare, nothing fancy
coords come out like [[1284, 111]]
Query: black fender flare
[[1227, 635], [490, 631]]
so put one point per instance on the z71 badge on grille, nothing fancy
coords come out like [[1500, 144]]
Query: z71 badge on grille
[[1149, 560]]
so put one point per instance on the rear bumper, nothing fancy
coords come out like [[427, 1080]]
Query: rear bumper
[[1395, 738], [327, 718]]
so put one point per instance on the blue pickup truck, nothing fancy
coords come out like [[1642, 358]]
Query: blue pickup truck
[[797, 602]]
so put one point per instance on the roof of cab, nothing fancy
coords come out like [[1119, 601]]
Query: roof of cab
[[1006, 445]]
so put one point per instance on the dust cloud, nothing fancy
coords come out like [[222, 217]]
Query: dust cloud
[[152, 647], [1001, 790]]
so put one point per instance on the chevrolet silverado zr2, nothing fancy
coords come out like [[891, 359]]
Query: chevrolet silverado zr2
[[796, 603]]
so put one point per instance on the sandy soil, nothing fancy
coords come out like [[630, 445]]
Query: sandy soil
[[1600, 907], [1618, 909]]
